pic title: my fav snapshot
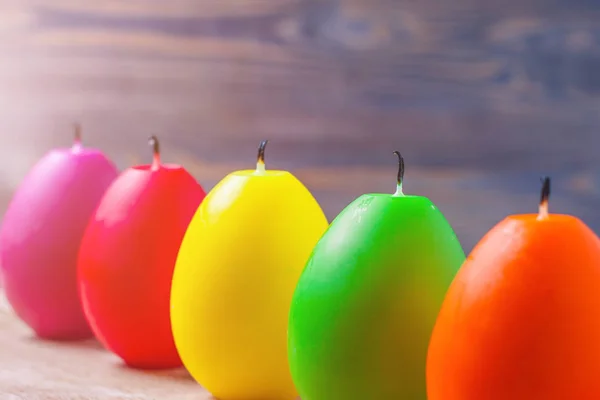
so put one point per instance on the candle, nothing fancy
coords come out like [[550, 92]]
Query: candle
[[127, 259], [236, 271], [521, 319], [40, 238], [366, 303]]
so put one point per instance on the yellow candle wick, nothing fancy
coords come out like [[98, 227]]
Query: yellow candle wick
[[260, 168], [260, 162]]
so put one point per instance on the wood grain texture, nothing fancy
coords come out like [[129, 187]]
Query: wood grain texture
[[506, 89], [509, 90], [482, 97], [32, 369]]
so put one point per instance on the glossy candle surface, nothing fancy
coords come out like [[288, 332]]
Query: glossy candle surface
[[365, 305], [521, 319], [127, 259], [233, 283], [41, 233]]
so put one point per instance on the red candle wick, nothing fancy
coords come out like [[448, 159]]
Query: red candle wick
[[153, 141], [156, 161]]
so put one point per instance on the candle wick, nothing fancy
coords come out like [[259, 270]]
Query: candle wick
[[153, 142], [77, 137], [400, 176], [543, 213], [544, 197], [399, 191], [260, 163]]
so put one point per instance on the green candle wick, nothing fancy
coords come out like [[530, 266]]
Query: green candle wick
[[545, 195], [153, 142], [260, 163], [400, 176]]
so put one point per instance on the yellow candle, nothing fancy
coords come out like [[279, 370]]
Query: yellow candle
[[234, 279]]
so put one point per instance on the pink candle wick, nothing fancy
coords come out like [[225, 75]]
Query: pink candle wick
[[77, 139]]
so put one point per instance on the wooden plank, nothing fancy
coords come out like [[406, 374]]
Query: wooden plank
[[509, 88], [169, 9]]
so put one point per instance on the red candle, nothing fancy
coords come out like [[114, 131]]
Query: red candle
[[127, 259]]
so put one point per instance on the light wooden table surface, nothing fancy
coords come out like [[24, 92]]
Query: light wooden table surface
[[32, 369]]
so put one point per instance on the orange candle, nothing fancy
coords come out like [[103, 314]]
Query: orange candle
[[521, 320]]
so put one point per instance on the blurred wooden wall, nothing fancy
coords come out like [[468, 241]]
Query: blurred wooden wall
[[481, 96]]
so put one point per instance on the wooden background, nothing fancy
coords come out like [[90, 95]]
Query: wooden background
[[481, 97]]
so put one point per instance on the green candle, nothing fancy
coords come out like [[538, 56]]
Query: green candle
[[367, 300]]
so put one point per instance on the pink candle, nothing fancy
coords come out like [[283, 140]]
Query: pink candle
[[40, 237]]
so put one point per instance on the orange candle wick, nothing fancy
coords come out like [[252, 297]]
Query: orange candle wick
[[543, 209]]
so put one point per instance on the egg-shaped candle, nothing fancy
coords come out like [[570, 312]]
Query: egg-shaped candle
[[236, 271], [365, 305], [40, 237], [521, 319], [127, 259]]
